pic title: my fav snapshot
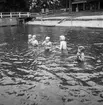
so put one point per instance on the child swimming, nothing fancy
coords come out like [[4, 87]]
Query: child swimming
[[80, 54], [29, 38], [63, 45], [34, 41], [47, 44]]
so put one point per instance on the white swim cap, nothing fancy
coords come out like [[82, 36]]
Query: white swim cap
[[62, 37], [81, 48], [29, 36], [34, 36], [47, 38]]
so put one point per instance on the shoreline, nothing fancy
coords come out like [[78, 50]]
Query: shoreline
[[86, 24], [82, 21]]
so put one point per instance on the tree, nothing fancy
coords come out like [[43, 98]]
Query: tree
[[15, 5], [33, 5]]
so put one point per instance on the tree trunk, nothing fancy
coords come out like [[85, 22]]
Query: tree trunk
[[70, 5]]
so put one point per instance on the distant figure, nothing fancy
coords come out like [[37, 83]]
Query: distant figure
[[29, 38], [77, 9], [80, 54], [34, 41], [47, 44], [63, 45]]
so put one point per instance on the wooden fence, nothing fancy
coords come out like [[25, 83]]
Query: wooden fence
[[17, 14]]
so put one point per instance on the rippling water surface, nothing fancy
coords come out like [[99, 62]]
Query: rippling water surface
[[30, 77]]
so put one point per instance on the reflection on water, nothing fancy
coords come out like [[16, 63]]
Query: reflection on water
[[24, 67]]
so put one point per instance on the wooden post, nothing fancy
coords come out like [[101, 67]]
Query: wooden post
[[83, 6], [10, 15], [99, 5], [77, 8], [66, 5], [19, 14], [28, 14], [70, 5], [1, 15]]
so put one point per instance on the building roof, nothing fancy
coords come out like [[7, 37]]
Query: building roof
[[83, 1], [79, 1]]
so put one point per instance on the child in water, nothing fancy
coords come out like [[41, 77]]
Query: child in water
[[29, 38], [47, 44], [63, 45], [34, 41], [80, 54]]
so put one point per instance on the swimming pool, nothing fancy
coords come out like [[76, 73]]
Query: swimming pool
[[28, 76]]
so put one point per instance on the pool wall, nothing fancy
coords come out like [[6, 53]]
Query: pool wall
[[8, 21]]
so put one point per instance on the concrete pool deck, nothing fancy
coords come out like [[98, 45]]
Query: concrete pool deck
[[80, 21]]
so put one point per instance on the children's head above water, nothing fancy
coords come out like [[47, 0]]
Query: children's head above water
[[47, 38], [62, 38], [34, 36], [29, 36], [81, 48]]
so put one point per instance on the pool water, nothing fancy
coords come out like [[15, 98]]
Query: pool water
[[30, 76]]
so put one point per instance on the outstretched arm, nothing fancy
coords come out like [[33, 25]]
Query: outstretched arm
[[60, 46], [81, 57]]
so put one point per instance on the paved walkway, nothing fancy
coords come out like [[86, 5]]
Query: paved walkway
[[71, 21], [80, 17]]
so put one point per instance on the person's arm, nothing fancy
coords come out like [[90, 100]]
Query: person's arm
[[43, 43], [37, 42], [82, 57], [78, 56], [31, 40], [50, 44], [65, 45], [60, 45]]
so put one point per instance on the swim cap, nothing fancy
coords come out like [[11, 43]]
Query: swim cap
[[62, 37], [81, 48], [47, 38], [34, 36], [29, 36]]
